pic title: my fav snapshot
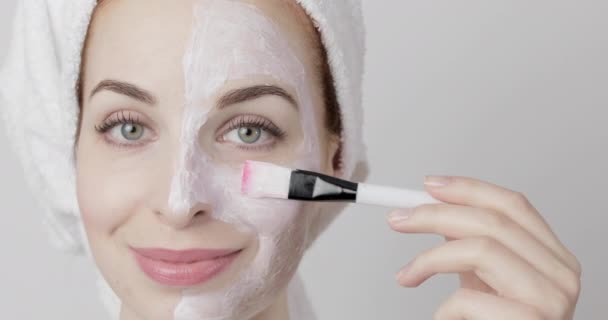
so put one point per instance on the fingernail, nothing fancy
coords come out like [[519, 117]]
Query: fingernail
[[437, 181], [400, 215], [403, 271]]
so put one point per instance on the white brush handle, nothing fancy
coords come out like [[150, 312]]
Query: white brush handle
[[392, 197]]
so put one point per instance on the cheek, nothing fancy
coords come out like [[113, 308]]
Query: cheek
[[107, 198], [96, 203], [281, 226], [264, 217], [271, 218]]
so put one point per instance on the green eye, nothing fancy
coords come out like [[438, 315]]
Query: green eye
[[131, 131], [249, 135]]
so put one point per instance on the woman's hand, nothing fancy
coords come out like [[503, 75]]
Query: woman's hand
[[511, 265]]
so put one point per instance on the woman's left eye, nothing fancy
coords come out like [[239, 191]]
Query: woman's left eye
[[251, 131], [248, 135]]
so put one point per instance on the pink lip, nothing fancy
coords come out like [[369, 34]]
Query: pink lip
[[183, 267]]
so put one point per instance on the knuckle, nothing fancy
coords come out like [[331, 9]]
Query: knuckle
[[484, 245], [577, 267], [573, 263], [429, 209], [498, 221], [429, 215], [559, 305], [572, 285], [520, 199]]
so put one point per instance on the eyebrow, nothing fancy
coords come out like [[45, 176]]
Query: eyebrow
[[230, 98], [254, 92], [126, 89]]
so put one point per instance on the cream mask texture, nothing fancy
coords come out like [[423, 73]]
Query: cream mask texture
[[232, 42], [108, 194]]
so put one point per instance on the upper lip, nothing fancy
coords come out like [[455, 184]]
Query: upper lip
[[183, 256]]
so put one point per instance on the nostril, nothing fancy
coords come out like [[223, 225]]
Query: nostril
[[181, 218]]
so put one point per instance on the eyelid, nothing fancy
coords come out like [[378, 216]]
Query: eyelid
[[116, 119], [243, 120], [122, 117], [250, 119]]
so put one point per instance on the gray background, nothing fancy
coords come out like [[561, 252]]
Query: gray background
[[514, 92]]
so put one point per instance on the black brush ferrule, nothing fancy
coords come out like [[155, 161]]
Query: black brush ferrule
[[314, 186]]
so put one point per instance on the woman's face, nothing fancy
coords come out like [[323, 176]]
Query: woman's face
[[176, 96]]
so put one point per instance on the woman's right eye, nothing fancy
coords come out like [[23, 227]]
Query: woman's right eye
[[127, 134], [124, 130], [128, 131]]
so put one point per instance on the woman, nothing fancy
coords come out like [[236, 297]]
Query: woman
[[173, 97]]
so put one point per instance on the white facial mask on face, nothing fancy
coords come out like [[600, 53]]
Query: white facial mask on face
[[235, 41]]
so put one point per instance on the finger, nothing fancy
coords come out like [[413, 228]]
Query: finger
[[505, 272], [477, 193], [469, 280], [466, 304], [458, 222]]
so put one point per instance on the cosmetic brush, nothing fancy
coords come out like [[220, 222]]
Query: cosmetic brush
[[267, 180]]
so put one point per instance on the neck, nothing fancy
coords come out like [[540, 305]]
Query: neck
[[127, 314], [276, 311]]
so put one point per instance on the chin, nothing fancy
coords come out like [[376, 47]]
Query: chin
[[247, 283]]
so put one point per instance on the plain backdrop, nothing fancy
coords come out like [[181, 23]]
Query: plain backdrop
[[514, 92]]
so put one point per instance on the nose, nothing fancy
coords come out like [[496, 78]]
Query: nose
[[185, 190], [182, 218]]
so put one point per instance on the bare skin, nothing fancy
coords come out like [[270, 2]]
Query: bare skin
[[511, 265], [144, 59]]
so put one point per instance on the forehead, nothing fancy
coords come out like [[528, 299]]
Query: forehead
[[128, 36]]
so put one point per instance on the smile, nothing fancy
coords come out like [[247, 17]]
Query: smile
[[183, 267]]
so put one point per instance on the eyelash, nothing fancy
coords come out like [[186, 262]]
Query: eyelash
[[247, 120], [254, 121], [120, 118]]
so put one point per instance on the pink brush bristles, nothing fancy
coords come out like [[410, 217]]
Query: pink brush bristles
[[245, 179], [265, 180]]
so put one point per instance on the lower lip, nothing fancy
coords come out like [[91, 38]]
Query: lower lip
[[184, 274]]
